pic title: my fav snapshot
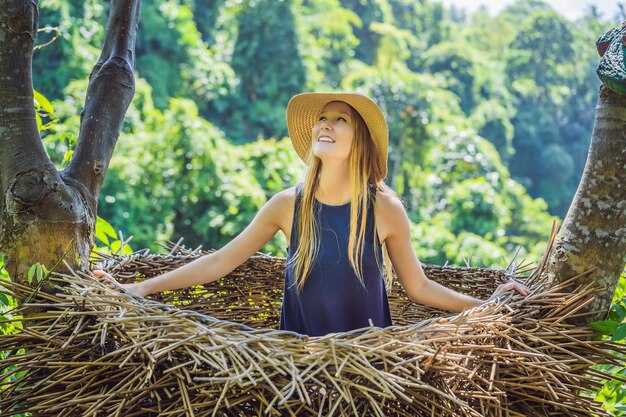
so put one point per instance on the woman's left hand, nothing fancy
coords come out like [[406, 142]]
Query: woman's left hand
[[511, 285]]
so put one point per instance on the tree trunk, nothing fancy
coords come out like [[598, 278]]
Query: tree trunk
[[48, 216], [593, 236]]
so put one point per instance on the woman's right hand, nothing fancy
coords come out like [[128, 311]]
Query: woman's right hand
[[132, 288]]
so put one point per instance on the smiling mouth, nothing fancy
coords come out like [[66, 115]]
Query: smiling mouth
[[328, 139]]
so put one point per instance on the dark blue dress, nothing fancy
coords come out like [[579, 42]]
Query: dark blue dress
[[333, 299]]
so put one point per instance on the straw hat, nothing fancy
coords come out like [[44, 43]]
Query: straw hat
[[303, 112]]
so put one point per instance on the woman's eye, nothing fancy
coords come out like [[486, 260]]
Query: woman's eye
[[322, 118], [341, 118]]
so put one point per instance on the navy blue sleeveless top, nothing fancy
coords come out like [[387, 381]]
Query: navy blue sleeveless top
[[333, 298]]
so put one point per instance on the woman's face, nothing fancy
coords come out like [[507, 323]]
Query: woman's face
[[332, 134]]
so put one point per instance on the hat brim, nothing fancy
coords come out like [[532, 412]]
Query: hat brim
[[303, 112]]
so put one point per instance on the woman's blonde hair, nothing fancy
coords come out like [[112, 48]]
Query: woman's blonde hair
[[363, 166]]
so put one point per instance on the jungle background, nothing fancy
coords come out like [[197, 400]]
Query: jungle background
[[490, 116]]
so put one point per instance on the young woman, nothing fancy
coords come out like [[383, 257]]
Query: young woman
[[337, 222]]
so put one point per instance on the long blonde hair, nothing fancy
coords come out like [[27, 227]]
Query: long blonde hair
[[364, 168]]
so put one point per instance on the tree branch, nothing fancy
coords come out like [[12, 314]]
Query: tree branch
[[20, 142], [110, 91]]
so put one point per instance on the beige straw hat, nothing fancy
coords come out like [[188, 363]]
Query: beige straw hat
[[303, 112]]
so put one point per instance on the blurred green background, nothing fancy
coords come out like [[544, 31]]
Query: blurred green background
[[490, 115]]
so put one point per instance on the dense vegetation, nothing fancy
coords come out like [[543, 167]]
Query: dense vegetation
[[490, 117]]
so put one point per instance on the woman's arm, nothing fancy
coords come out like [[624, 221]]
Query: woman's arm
[[436, 295], [213, 266], [417, 285]]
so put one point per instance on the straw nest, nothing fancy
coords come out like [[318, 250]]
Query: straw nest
[[214, 350]]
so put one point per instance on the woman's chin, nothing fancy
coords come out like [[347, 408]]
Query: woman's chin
[[324, 151]]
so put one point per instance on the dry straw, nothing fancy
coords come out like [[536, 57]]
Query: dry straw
[[213, 351]]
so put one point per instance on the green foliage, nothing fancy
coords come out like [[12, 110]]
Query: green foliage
[[274, 164], [62, 144], [370, 12], [199, 189], [37, 272], [5, 301], [9, 324], [425, 21], [60, 138], [613, 392], [525, 78], [478, 207], [539, 56], [491, 119], [456, 63], [544, 66], [327, 40], [173, 58], [107, 236], [174, 174], [466, 205], [267, 35], [43, 108], [73, 54], [205, 14]]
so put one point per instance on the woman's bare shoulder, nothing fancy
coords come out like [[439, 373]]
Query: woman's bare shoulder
[[282, 203], [286, 197], [388, 209], [283, 207], [388, 203]]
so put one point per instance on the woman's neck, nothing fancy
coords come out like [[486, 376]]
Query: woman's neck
[[334, 184]]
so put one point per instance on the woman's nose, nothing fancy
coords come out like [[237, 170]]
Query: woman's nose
[[325, 125]]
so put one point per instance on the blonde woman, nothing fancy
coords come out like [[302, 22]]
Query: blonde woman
[[339, 222]]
